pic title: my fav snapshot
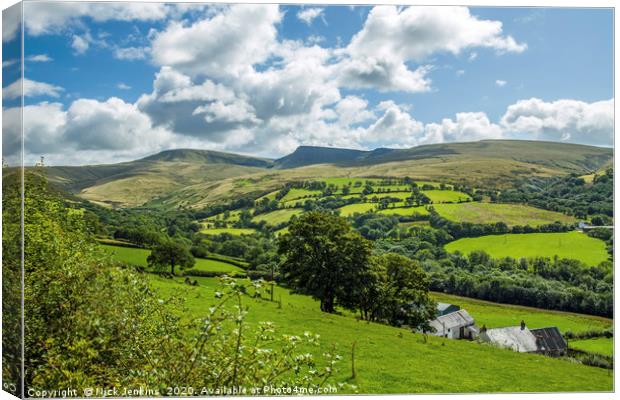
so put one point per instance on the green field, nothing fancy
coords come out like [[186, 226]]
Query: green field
[[394, 360], [446, 196], [511, 214], [277, 217], [600, 345], [138, 257], [573, 245], [232, 231], [361, 208], [495, 315], [405, 211], [295, 194]]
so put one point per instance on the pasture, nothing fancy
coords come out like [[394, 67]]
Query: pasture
[[573, 245], [360, 208], [405, 211], [277, 217], [446, 196], [511, 214], [394, 360], [599, 345], [230, 231], [135, 256], [295, 194]]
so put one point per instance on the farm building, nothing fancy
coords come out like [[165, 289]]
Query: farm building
[[550, 341], [446, 308], [516, 338], [455, 325]]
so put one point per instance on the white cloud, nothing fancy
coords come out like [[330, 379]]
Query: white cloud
[[30, 89], [39, 58], [562, 120], [54, 17], [308, 15], [472, 56], [460, 72], [383, 74], [378, 54], [11, 19], [90, 123], [500, 83], [123, 86], [396, 128], [415, 33], [467, 127], [131, 53], [222, 45], [80, 44]]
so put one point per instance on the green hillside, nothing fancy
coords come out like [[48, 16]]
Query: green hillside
[[573, 245], [394, 360], [511, 214]]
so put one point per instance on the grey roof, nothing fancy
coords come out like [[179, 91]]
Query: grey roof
[[549, 339], [453, 320], [445, 306], [512, 337]]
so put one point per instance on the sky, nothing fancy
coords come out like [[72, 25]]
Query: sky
[[110, 82]]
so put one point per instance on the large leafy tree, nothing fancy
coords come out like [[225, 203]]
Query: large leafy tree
[[400, 294], [325, 258], [170, 254]]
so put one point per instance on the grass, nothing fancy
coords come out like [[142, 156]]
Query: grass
[[295, 194], [277, 217], [360, 208], [446, 196], [138, 257], [128, 255], [232, 231], [600, 345], [511, 214], [495, 315], [394, 360], [574, 245], [405, 211]]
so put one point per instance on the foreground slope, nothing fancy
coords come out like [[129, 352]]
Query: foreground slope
[[394, 360]]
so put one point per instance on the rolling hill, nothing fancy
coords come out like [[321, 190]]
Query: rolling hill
[[186, 177]]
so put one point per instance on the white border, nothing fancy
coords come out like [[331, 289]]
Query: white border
[[479, 3]]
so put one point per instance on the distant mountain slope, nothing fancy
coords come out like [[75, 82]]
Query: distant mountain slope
[[310, 155], [196, 178], [209, 157], [549, 154], [133, 183]]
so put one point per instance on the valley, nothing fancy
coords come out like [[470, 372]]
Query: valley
[[493, 227]]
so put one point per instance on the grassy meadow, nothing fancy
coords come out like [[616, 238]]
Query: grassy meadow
[[394, 360], [599, 345], [405, 211], [446, 196], [511, 214], [231, 231], [573, 245], [135, 256], [360, 208], [277, 217]]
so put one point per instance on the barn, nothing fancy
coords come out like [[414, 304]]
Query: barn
[[455, 325], [550, 341], [446, 308], [516, 338]]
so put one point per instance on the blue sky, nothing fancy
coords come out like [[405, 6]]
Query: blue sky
[[128, 80]]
